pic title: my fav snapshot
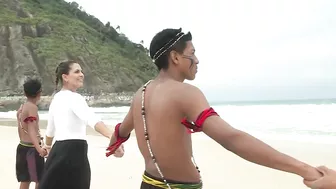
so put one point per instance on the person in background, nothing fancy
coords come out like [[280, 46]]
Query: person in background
[[67, 165], [165, 111], [30, 153]]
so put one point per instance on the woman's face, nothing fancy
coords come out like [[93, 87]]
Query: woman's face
[[75, 77]]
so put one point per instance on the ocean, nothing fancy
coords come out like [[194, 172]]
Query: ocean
[[298, 120]]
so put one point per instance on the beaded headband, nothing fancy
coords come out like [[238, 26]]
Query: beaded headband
[[168, 45]]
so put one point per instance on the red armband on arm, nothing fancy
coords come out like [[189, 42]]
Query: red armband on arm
[[111, 149], [197, 125], [30, 119]]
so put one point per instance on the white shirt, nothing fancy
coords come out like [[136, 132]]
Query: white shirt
[[69, 115]]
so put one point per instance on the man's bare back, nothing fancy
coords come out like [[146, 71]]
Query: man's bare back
[[168, 136], [167, 100], [22, 126]]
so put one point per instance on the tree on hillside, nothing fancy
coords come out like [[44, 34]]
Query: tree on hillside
[[74, 7]]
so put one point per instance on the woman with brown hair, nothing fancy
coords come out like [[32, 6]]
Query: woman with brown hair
[[67, 166]]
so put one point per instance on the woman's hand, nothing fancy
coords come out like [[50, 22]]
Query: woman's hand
[[312, 174], [328, 181], [120, 151], [43, 152]]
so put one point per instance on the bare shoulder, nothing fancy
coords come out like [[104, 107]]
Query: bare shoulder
[[189, 87], [188, 93], [30, 107], [19, 111], [138, 93], [137, 96], [190, 99], [136, 100]]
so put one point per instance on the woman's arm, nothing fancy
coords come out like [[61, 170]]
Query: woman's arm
[[80, 107], [101, 128], [50, 131]]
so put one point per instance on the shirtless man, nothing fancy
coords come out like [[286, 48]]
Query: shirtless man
[[165, 111], [29, 153], [328, 181]]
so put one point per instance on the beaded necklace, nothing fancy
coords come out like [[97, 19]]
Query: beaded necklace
[[143, 113]]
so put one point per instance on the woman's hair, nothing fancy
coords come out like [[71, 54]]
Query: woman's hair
[[62, 68], [164, 42]]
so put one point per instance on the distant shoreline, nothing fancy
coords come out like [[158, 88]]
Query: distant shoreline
[[275, 102], [9, 103]]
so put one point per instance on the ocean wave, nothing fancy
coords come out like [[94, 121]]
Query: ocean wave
[[281, 120]]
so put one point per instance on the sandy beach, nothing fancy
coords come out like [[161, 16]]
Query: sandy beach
[[219, 167]]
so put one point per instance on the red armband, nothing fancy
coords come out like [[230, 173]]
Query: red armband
[[30, 119], [197, 125], [111, 149]]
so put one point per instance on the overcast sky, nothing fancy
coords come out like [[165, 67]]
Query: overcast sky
[[248, 50]]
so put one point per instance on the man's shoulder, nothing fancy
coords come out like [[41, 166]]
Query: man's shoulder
[[29, 107], [29, 111], [186, 94], [186, 88]]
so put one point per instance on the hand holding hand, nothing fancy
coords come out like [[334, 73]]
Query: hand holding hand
[[47, 148], [43, 152], [328, 181], [120, 151], [311, 174]]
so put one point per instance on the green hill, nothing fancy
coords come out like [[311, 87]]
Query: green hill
[[35, 35]]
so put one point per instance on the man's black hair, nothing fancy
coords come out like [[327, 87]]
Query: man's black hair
[[32, 87], [166, 41]]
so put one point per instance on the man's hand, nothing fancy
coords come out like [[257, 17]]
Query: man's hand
[[43, 152], [120, 151], [311, 173], [328, 181], [47, 149]]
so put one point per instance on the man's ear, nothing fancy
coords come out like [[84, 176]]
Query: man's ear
[[174, 56]]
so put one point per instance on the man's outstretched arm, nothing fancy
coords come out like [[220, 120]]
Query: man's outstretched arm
[[239, 142]]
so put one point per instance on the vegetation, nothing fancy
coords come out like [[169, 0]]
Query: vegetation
[[65, 30]]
